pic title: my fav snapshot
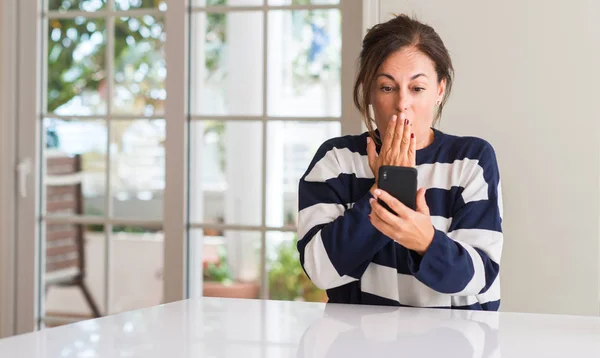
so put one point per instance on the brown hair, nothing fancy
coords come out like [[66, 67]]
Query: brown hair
[[386, 38]]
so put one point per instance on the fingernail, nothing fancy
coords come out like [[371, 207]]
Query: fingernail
[[406, 122], [377, 192], [394, 118], [412, 135], [371, 201], [368, 139]]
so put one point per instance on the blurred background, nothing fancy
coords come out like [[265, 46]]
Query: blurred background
[[158, 144]]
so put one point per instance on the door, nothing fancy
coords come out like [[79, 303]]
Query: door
[[154, 168]]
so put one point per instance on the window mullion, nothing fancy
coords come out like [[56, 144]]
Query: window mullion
[[263, 237], [175, 255], [110, 57]]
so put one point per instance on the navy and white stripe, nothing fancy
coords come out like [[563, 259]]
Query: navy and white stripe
[[343, 253]]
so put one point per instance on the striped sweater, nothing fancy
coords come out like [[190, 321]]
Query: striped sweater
[[343, 253]]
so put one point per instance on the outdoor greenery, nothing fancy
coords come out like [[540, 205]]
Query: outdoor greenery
[[77, 54], [218, 271], [287, 280]]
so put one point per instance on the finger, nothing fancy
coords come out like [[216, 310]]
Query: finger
[[412, 150], [421, 202], [389, 134], [406, 132], [390, 230], [383, 213], [402, 210], [402, 117], [399, 133], [371, 154]]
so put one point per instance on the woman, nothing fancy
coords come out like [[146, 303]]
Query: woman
[[446, 253]]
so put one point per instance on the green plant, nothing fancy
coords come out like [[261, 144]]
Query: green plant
[[219, 271], [94, 227], [133, 229], [284, 283], [287, 280], [76, 54]]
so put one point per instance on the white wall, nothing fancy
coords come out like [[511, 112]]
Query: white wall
[[526, 81]]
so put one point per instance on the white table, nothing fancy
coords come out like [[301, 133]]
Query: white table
[[212, 327]]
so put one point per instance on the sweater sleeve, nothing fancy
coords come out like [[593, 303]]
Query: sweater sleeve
[[336, 238], [466, 261]]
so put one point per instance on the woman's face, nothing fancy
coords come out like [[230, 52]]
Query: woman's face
[[406, 85]]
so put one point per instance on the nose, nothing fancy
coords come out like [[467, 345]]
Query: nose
[[402, 101]]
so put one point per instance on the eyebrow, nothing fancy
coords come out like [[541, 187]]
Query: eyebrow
[[414, 77]]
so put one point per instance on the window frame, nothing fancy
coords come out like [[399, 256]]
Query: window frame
[[30, 64], [8, 82]]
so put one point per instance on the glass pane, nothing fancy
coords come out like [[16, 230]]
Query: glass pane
[[290, 148], [71, 250], [227, 63], [138, 168], [140, 69], [136, 271], [303, 2], [230, 262], [140, 4], [287, 280], [304, 63], [75, 167], [226, 172], [76, 72], [77, 5]]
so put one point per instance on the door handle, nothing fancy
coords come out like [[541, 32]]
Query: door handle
[[23, 171]]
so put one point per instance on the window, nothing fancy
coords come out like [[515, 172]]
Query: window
[[266, 91], [103, 159], [168, 135]]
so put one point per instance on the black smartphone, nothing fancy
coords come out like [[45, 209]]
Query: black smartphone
[[399, 182]]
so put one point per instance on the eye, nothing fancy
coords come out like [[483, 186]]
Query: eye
[[387, 89], [418, 89]]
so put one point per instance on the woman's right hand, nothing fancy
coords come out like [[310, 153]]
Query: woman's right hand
[[398, 147]]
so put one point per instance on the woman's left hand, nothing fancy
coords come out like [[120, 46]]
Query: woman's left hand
[[411, 229]]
